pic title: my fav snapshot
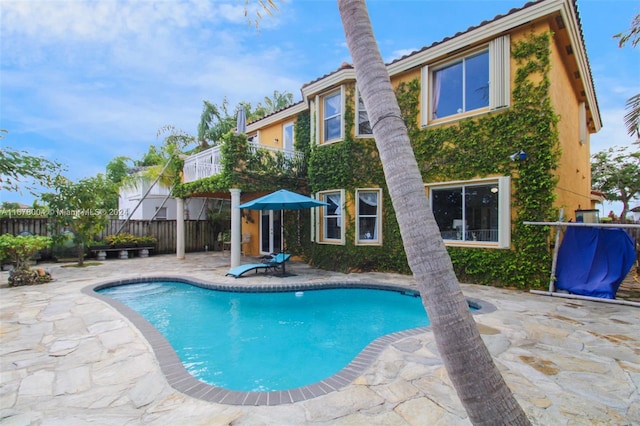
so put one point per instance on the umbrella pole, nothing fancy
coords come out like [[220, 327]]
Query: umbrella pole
[[284, 268]]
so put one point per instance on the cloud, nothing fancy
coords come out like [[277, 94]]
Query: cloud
[[107, 20], [613, 131]]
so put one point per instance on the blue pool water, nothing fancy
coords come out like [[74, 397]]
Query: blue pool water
[[268, 341]]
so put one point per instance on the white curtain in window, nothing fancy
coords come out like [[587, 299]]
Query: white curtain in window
[[435, 94], [334, 103], [364, 127], [335, 199], [371, 199]]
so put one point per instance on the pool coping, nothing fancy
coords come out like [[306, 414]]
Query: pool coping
[[181, 380]]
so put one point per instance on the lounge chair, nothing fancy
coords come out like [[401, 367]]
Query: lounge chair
[[272, 263]]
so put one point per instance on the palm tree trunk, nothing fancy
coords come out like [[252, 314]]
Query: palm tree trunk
[[480, 386], [80, 253]]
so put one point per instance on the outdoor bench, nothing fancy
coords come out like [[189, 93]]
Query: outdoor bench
[[123, 252]]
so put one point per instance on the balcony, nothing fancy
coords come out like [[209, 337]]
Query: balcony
[[209, 162]]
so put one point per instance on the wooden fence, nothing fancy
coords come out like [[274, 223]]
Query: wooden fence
[[198, 233]]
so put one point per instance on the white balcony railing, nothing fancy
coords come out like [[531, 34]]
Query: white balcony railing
[[203, 164], [209, 162]]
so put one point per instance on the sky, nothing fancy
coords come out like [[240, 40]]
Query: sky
[[82, 82]]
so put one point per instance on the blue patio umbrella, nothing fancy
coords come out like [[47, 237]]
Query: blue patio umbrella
[[282, 200]]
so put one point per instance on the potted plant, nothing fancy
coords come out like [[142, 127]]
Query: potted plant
[[147, 241], [121, 240], [18, 250], [98, 245]]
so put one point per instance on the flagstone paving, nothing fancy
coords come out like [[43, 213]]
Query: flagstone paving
[[68, 358]]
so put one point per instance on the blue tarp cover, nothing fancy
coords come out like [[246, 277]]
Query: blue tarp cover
[[594, 261]]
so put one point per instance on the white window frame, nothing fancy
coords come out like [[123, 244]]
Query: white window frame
[[323, 99], [460, 60], [321, 226], [376, 237], [357, 117], [499, 81], [503, 185]]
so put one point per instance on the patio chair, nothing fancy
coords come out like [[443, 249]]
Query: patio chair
[[272, 263], [278, 261]]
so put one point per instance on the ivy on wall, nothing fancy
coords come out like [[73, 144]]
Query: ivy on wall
[[351, 164], [249, 170], [467, 149]]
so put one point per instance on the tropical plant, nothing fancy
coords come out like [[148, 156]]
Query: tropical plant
[[616, 172], [146, 240], [215, 121], [118, 169], [277, 101], [129, 239], [18, 250], [478, 382], [79, 207], [632, 117], [15, 166], [121, 239]]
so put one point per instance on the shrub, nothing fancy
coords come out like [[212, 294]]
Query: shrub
[[120, 239], [129, 239], [18, 250]]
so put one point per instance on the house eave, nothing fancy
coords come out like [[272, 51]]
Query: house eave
[[332, 80], [282, 115], [505, 24]]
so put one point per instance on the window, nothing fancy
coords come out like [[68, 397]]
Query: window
[[331, 229], [287, 138], [477, 82], [473, 213], [332, 113], [161, 213], [363, 126], [368, 216], [460, 87]]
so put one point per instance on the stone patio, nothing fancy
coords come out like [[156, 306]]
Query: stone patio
[[68, 358]]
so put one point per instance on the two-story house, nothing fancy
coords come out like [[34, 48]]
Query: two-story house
[[499, 116]]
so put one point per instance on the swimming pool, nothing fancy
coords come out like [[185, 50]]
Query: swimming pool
[[180, 379], [267, 341]]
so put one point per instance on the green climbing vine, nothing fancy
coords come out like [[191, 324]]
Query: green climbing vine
[[460, 152], [467, 149], [252, 169]]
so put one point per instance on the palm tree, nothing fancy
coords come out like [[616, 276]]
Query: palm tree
[[215, 121], [278, 101], [479, 384], [632, 117]]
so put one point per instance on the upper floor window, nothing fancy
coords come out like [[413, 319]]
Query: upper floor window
[[473, 213], [331, 226], [476, 82], [287, 137], [368, 216], [363, 126], [332, 116], [461, 86]]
